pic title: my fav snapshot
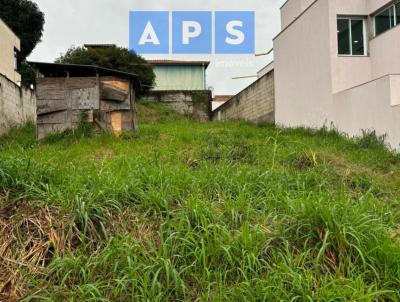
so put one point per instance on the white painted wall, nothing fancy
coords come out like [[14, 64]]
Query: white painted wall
[[395, 90], [374, 5], [347, 72], [385, 53], [369, 106], [303, 70], [292, 9], [349, 7], [314, 86], [8, 41]]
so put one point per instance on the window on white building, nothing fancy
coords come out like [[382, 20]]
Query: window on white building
[[16, 65], [351, 36], [387, 19]]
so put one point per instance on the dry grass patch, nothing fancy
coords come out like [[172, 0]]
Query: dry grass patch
[[29, 239]]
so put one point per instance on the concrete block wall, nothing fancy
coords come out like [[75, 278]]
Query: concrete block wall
[[256, 103], [17, 105], [193, 103]]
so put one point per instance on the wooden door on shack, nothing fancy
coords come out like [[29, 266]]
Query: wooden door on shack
[[117, 104]]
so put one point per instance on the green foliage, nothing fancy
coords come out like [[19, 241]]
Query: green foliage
[[26, 20], [84, 127], [117, 58], [369, 139], [83, 130], [150, 112], [23, 137], [184, 211], [28, 74]]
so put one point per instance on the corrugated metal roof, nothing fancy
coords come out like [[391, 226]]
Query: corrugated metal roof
[[179, 63], [48, 69], [99, 45]]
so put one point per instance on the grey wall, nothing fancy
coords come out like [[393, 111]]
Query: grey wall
[[17, 105], [256, 103], [195, 104]]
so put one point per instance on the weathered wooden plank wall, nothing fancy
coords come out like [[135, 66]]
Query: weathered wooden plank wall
[[60, 102]]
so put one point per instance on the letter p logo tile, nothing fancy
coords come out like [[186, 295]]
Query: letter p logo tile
[[191, 32], [149, 32]]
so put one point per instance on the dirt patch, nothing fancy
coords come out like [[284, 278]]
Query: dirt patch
[[305, 161], [29, 239]]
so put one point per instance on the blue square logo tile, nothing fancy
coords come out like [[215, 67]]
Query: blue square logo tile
[[234, 32], [149, 32], [191, 32]]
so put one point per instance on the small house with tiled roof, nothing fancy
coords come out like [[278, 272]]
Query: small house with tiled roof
[[179, 75]]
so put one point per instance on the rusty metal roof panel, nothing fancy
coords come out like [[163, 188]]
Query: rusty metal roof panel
[[60, 70], [179, 63]]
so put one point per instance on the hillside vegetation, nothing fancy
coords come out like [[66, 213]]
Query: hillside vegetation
[[184, 211]]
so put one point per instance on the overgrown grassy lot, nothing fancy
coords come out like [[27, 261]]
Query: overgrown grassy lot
[[183, 211]]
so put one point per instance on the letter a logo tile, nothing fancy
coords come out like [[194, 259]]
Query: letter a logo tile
[[149, 32]]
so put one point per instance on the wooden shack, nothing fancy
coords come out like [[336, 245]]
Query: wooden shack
[[67, 94]]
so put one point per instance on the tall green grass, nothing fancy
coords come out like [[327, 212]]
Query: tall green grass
[[183, 211]]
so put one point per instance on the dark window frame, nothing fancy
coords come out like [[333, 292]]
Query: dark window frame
[[17, 62], [395, 6], [350, 19]]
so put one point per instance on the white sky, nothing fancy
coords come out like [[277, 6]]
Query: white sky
[[75, 22]]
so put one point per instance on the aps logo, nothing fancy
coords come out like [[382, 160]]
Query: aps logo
[[184, 32]]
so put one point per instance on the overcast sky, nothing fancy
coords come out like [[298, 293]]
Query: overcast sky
[[75, 22]]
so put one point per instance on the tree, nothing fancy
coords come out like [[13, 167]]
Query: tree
[[26, 20], [112, 57]]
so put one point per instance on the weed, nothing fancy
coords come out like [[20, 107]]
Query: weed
[[369, 139], [184, 211], [83, 129]]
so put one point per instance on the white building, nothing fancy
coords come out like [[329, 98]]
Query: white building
[[337, 62], [9, 48]]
